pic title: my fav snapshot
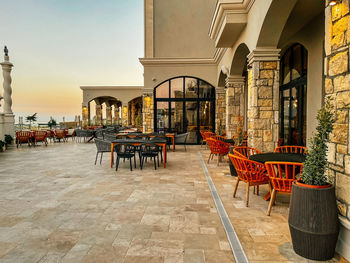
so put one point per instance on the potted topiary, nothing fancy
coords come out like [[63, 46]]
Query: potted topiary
[[313, 217]]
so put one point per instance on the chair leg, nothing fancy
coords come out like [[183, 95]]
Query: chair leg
[[96, 158], [157, 159], [247, 195], [135, 161], [101, 157], [130, 164], [141, 162], [257, 190], [218, 159], [209, 157], [236, 186], [117, 163], [272, 200], [155, 163]]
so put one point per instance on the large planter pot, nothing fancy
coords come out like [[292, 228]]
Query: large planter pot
[[313, 221]]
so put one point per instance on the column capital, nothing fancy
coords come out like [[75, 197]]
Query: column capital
[[234, 80], [220, 90], [263, 54]]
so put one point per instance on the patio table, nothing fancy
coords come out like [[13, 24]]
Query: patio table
[[137, 142], [277, 157]]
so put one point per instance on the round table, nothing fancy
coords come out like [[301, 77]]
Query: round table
[[278, 157]]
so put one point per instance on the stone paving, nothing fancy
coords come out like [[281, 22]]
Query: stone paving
[[57, 206]]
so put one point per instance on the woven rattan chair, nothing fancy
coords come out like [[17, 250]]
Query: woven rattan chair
[[102, 147], [125, 151], [40, 136], [291, 149], [250, 172], [282, 175]]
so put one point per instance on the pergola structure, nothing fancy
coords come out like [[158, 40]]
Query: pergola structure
[[122, 105]]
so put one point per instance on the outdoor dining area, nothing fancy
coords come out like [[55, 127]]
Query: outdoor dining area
[[32, 138], [278, 169]]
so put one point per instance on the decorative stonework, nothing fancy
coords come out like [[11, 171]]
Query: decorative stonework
[[99, 116], [234, 103], [116, 119], [263, 99], [147, 104], [108, 115], [85, 116], [220, 118], [125, 115], [337, 86]]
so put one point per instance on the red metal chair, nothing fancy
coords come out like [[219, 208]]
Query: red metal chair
[[250, 172], [291, 149], [24, 137], [245, 152], [282, 175], [40, 136], [60, 134], [218, 148]]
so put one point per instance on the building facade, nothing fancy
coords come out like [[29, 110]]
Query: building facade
[[209, 64]]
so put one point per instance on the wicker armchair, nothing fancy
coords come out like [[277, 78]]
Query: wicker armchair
[[23, 137], [60, 134], [250, 172], [282, 175], [218, 148], [245, 152], [102, 147], [40, 136]]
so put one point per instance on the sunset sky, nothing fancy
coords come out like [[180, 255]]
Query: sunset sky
[[58, 45]]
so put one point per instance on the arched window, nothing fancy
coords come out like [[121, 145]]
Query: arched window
[[293, 95], [184, 104]]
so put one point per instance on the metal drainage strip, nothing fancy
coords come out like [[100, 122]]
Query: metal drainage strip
[[236, 246]]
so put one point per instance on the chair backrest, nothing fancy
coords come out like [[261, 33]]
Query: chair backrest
[[283, 174], [102, 145], [209, 134], [109, 137], [99, 133], [71, 132], [181, 138], [248, 170], [23, 135], [79, 133], [124, 148], [245, 152], [291, 149], [40, 135], [223, 147], [60, 133], [213, 146], [149, 148], [218, 137]]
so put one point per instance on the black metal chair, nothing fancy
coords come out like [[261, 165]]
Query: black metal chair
[[125, 151], [149, 150], [181, 139], [102, 147]]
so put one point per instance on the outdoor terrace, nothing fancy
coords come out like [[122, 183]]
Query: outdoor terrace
[[57, 206]]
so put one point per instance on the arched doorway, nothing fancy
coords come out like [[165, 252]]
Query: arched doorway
[[184, 104], [293, 90]]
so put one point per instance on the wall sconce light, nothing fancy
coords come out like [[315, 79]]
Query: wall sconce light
[[334, 2]]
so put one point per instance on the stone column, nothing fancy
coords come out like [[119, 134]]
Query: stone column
[[85, 116], [263, 98], [148, 110], [337, 79], [108, 115], [7, 121], [133, 113], [125, 115], [235, 108], [220, 112], [116, 115], [99, 116]]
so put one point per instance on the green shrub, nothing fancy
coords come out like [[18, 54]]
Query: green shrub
[[8, 139], [314, 170]]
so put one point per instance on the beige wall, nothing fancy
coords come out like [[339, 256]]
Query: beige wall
[[181, 28]]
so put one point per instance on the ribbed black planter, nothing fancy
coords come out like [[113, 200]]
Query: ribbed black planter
[[313, 222]]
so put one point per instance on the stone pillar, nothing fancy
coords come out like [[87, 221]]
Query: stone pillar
[[220, 111], [7, 119], [148, 112], [108, 115], [133, 113], [263, 98], [85, 116], [234, 103], [337, 79], [116, 115], [124, 115], [99, 116]]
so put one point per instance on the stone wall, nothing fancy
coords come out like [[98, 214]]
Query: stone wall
[[337, 85], [263, 100], [147, 105], [220, 112], [234, 104]]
